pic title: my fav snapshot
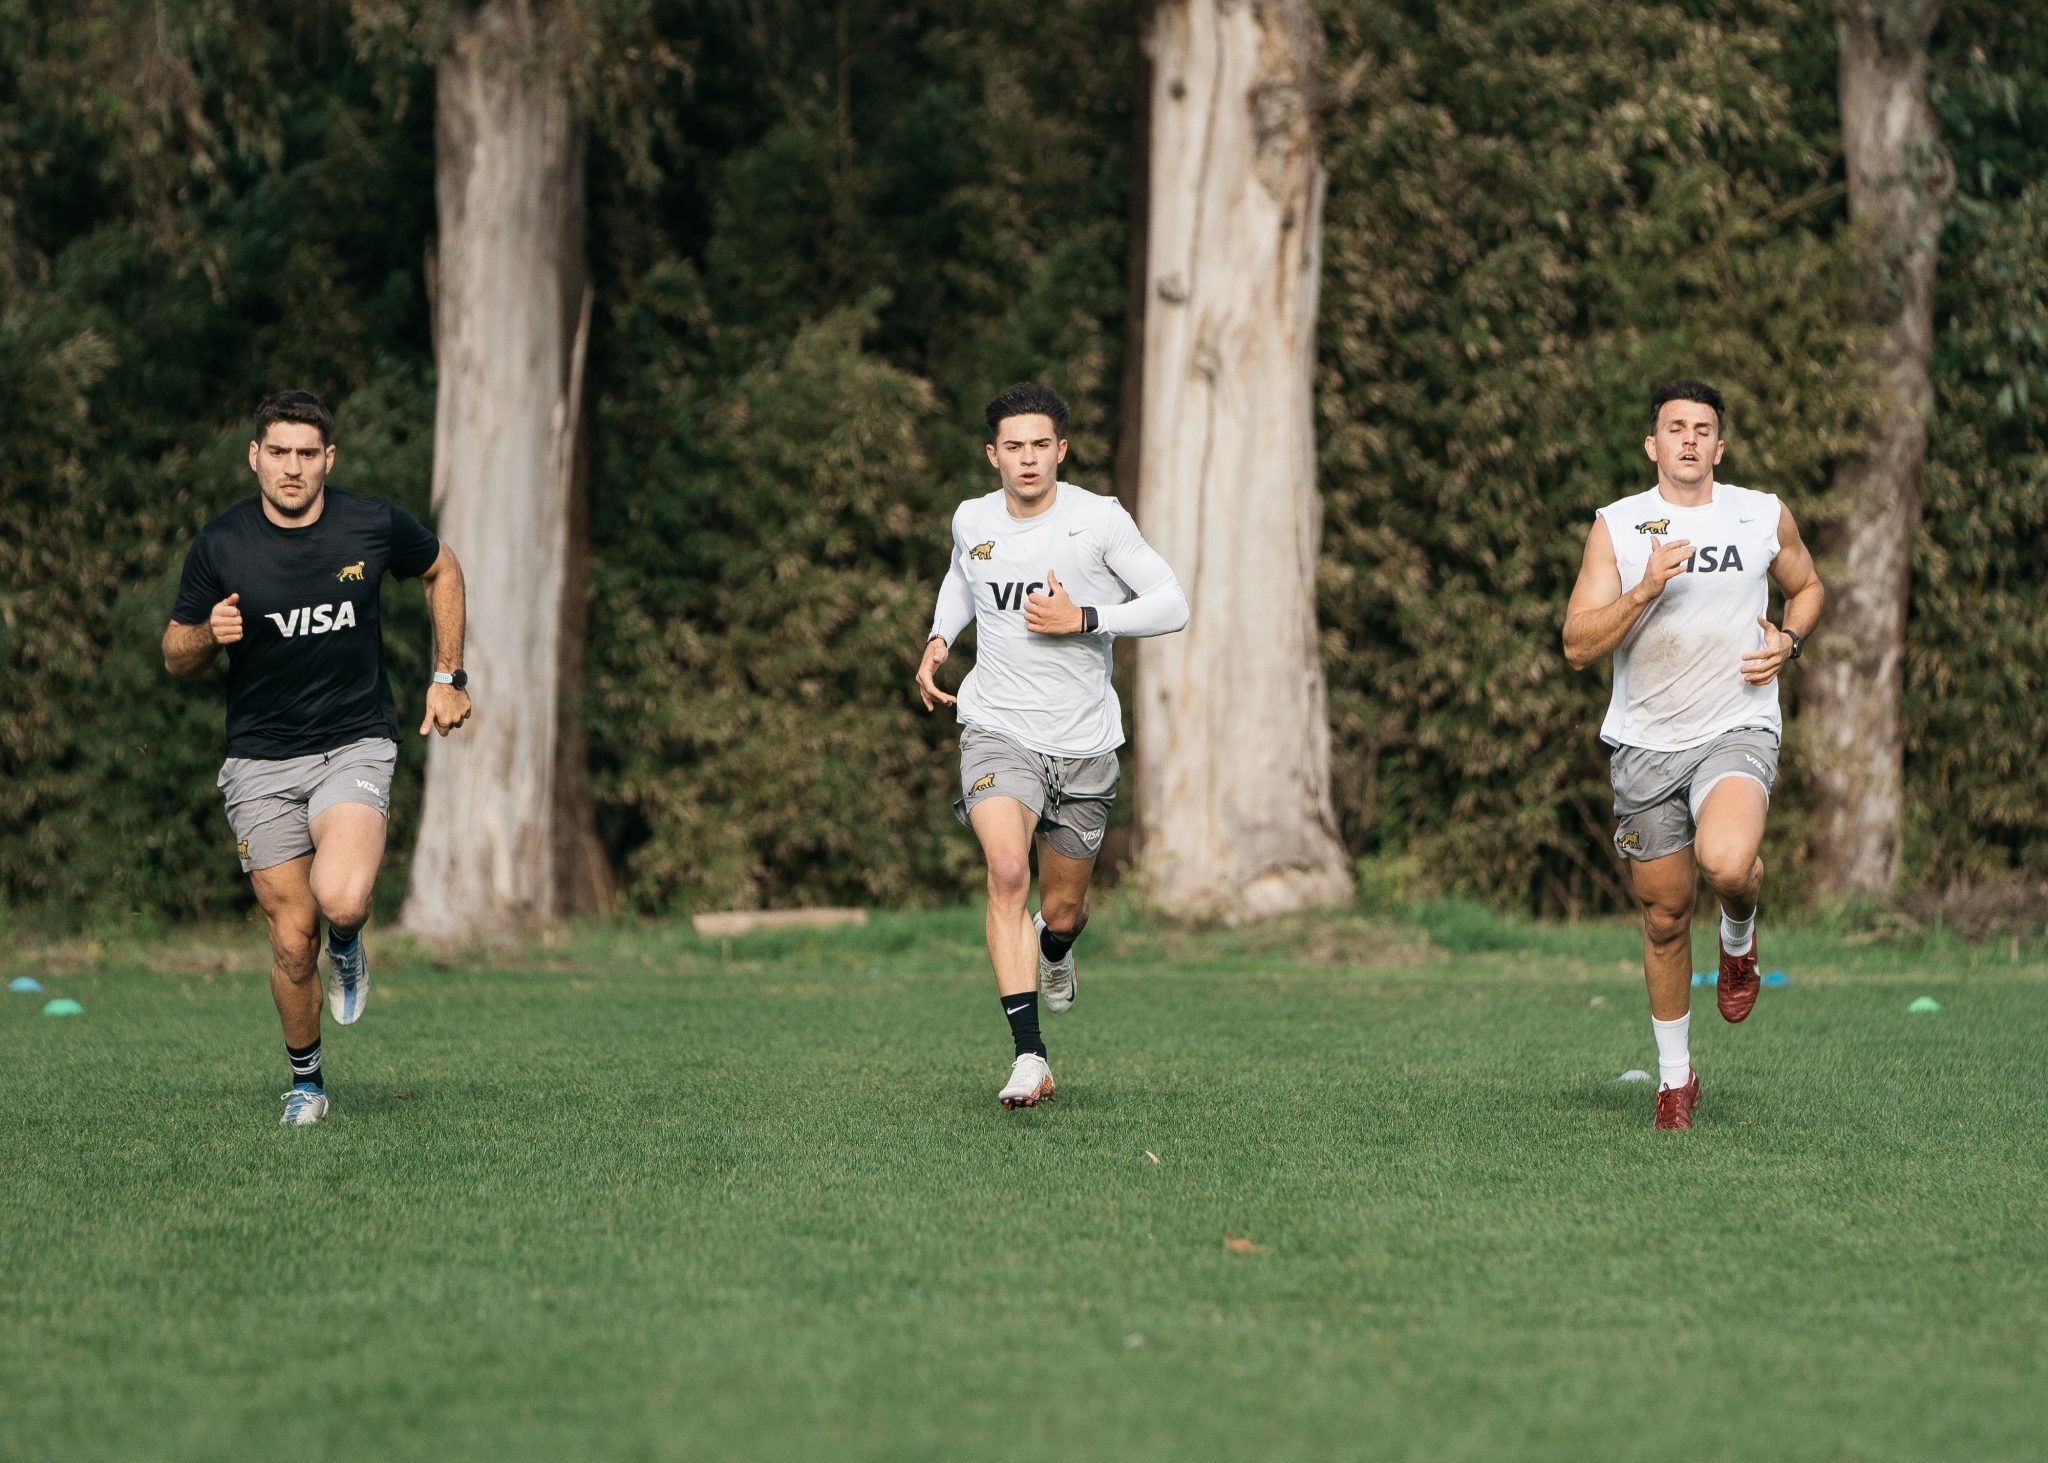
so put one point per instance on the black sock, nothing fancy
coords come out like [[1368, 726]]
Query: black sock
[[305, 1062], [1023, 1013], [336, 942], [1055, 947]]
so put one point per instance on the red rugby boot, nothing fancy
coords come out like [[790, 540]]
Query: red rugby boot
[[1675, 1104], [1735, 989]]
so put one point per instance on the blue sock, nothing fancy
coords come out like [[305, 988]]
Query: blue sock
[[338, 945]]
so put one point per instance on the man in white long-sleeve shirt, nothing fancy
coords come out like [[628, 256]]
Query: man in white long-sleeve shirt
[[1053, 574]]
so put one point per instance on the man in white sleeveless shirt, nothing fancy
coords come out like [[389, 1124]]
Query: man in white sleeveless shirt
[[1673, 587], [1053, 575]]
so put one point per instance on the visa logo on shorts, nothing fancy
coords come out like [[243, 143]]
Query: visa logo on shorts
[[1012, 596], [314, 619]]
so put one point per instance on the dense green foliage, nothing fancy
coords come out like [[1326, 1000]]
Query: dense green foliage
[[1977, 673], [652, 1198], [1535, 210], [818, 247], [792, 382], [184, 225]]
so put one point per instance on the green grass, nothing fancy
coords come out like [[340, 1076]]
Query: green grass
[[637, 1196]]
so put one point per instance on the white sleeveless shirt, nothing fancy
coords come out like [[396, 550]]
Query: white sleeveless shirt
[[1678, 672]]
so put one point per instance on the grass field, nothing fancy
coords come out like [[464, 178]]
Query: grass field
[[638, 1196]]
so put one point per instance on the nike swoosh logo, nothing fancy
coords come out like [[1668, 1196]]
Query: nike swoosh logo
[[1013, 1010], [1073, 531]]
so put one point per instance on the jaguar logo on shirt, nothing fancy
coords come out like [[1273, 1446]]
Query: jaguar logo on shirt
[[351, 571], [1655, 525], [982, 551]]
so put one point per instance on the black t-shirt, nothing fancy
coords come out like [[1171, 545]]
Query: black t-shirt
[[308, 673]]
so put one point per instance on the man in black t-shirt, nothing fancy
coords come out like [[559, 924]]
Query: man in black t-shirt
[[287, 582]]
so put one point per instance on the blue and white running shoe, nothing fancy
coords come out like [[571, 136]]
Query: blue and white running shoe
[[348, 982], [304, 1106]]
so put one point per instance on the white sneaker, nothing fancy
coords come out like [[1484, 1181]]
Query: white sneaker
[[348, 982], [303, 1107], [1030, 1082], [1057, 984]]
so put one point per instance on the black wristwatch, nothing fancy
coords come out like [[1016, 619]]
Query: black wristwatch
[[1089, 619], [459, 678], [1797, 643]]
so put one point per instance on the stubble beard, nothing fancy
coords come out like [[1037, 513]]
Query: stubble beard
[[286, 510]]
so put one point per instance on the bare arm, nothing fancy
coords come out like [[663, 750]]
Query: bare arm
[[1599, 616], [447, 708], [188, 649], [1795, 575], [446, 602], [1793, 572]]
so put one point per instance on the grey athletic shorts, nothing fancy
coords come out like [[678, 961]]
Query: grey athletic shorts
[[272, 802], [1657, 795], [1070, 795]]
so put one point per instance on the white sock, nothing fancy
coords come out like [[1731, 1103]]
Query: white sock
[[1674, 1053], [1737, 936]]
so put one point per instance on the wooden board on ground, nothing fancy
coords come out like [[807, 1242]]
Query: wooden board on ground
[[748, 921]]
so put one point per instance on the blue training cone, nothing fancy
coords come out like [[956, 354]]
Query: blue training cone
[[25, 984]]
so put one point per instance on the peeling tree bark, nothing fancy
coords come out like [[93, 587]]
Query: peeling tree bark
[[1131, 394], [1233, 741], [498, 836], [1899, 180]]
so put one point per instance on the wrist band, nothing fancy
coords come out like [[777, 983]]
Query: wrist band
[[1088, 620]]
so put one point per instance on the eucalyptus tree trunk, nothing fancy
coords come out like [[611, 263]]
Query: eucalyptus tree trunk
[[1233, 741], [1899, 180], [511, 322]]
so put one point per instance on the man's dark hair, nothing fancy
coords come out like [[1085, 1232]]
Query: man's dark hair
[[294, 406], [1688, 390], [1027, 399]]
